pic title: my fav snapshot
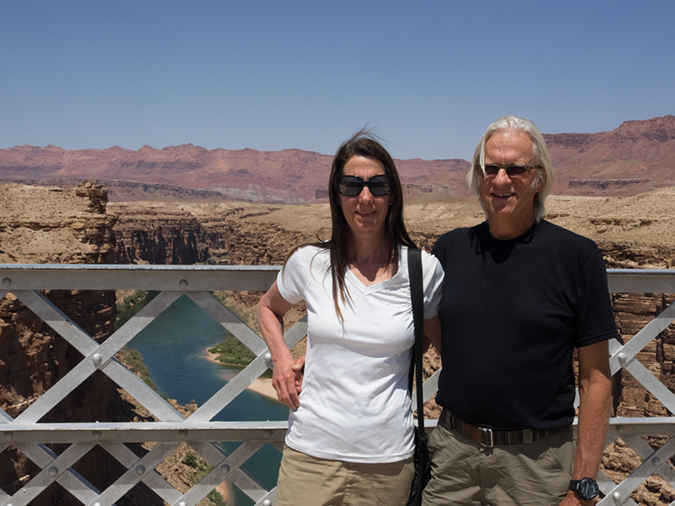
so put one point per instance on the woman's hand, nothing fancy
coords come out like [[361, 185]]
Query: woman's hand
[[285, 381]]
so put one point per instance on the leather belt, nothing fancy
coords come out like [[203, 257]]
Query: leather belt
[[488, 437]]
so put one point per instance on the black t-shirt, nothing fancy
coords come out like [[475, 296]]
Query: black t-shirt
[[512, 313]]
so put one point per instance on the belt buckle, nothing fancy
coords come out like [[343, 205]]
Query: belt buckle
[[488, 439]]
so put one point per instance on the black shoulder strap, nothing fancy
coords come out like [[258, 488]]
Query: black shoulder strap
[[417, 297]]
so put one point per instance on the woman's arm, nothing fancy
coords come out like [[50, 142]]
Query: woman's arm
[[271, 310]]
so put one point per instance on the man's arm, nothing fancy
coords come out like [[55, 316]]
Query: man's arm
[[595, 389], [432, 333]]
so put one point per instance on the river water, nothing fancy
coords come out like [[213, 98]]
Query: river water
[[173, 348]]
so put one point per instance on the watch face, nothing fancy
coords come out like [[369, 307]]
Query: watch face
[[587, 488]]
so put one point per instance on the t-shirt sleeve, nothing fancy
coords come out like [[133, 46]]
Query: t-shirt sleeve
[[439, 248], [595, 321], [293, 278], [433, 283]]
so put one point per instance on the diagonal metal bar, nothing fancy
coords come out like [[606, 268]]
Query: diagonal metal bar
[[136, 473], [219, 312], [205, 485], [50, 474], [231, 390], [137, 388], [209, 451], [238, 477], [429, 388], [62, 324], [72, 481], [28, 279], [154, 480], [644, 451], [296, 332], [271, 496], [604, 483], [627, 353], [42, 307], [609, 500], [43, 456], [97, 358], [660, 457], [651, 383], [243, 379]]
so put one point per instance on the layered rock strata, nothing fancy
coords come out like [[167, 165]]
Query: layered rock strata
[[51, 225]]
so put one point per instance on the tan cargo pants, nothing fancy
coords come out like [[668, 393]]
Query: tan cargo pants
[[464, 473], [310, 481]]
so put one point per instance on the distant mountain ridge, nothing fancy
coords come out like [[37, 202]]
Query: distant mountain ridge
[[635, 157]]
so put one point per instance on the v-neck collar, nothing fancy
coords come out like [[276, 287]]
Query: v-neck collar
[[395, 280]]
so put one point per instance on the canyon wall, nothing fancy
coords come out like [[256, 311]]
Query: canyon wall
[[77, 229], [70, 226], [168, 234]]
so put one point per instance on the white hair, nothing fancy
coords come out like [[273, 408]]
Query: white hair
[[540, 151]]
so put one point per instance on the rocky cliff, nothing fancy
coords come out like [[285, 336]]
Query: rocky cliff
[[51, 225], [632, 232]]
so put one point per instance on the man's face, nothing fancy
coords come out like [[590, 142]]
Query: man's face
[[509, 200]]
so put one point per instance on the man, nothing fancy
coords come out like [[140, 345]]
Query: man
[[520, 294]]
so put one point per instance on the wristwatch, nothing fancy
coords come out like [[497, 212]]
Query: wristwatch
[[586, 488]]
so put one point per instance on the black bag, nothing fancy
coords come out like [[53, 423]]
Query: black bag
[[421, 459]]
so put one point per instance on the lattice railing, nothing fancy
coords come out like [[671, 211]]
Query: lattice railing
[[30, 436]]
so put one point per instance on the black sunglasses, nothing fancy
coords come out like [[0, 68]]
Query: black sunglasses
[[351, 186], [513, 171]]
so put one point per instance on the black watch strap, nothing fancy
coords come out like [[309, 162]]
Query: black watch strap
[[586, 488]]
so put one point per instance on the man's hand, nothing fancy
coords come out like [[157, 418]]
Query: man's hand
[[299, 369], [571, 499]]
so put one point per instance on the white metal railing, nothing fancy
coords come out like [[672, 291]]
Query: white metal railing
[[29, 436]]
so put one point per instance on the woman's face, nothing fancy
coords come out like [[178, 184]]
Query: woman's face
[[365, 213]]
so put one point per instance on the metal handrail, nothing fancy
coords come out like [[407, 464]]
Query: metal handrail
[[29, 435]]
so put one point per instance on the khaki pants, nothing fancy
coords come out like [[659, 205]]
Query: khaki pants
[[464, 473], [310, 481]]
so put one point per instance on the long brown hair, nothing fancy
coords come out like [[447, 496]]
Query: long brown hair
[[341, 244]]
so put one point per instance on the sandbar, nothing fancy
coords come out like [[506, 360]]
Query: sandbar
[[262, 386], [225, 490]]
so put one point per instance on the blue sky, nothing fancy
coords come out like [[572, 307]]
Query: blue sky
[[275, 74]]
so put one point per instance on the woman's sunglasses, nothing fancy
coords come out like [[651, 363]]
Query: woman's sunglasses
[[351, 186]]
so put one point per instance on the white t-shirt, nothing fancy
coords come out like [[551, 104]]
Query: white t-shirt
[[355, 405]]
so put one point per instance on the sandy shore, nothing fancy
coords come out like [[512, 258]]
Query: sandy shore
[[263, 386], [225, 490]]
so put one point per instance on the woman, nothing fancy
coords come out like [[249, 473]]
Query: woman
[[351, 438]]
